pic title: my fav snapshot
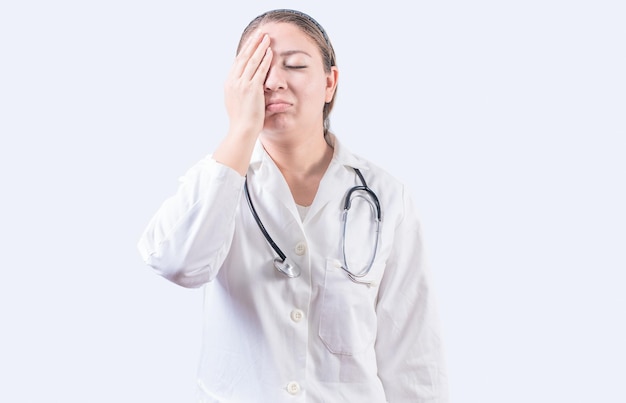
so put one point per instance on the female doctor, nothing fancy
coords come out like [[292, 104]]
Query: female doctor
[[316, 287]]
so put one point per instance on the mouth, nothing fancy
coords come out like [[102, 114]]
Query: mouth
[[277, 106]]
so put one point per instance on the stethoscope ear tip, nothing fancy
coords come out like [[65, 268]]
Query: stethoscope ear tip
[[284, 267]]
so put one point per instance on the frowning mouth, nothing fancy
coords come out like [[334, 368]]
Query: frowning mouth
[[277, 105]]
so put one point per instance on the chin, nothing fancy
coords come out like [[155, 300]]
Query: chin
[[278, 123]]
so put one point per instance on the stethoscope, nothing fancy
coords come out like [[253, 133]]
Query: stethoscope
[[361, 191]]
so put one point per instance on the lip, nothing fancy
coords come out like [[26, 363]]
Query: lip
[[277, 105]]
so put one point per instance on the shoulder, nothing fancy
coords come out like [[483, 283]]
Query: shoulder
[[374, 174], [377, 176]]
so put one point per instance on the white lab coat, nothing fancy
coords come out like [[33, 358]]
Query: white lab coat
[[319, 337]]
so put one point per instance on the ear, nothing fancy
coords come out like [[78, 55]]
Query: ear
[[331, 83]]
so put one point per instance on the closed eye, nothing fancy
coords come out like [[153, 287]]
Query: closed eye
[[296, 67]]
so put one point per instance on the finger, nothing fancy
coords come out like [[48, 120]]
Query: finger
[[255, 59], [243, 57], [253, 39], [244, 53], [261, 73]]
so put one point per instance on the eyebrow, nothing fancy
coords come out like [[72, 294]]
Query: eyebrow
[[293, 52]]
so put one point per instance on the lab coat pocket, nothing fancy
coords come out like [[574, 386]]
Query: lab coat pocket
[[348, 318]]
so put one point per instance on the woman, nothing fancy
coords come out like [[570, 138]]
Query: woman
[[303, 301]]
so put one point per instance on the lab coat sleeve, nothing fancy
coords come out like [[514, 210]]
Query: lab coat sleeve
[[408, 345], [188, 238]]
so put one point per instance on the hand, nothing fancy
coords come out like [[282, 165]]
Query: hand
[[243, 91]]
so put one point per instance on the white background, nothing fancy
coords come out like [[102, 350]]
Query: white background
[[505, 118]]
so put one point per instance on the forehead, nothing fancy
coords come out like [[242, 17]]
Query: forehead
[[285, 36]]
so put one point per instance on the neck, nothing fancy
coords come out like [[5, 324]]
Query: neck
[[304, 154], [302, 160]]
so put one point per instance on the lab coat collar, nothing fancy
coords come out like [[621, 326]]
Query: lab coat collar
[[341, 155], [263, 168]]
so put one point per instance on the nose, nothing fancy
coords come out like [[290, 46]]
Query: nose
[[275, 79]]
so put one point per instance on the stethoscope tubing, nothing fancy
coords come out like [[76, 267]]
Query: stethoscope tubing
[[267, 236], [284, 267]]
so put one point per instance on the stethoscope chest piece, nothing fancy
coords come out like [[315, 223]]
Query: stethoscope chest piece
[[287, 269]]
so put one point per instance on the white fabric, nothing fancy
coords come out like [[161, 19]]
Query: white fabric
[[302, 210], [319, 337]]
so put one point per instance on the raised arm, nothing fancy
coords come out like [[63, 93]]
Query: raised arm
[[245, 103], [189, 237]]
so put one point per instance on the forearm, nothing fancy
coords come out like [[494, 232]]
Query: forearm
[[188, 237], [235, 149]]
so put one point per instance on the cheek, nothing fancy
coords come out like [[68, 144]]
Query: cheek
[[314, 90]]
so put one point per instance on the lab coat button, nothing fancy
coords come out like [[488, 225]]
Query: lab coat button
[[293, 388], [300, 248], [297, 315]]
